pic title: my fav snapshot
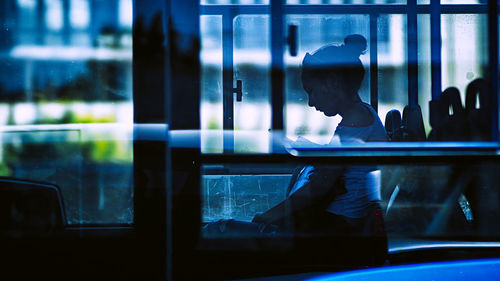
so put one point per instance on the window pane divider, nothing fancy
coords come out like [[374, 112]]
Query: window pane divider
[[277, 67], [343, 9], [435, 19], [227, 82], [493, 64], [374, 61], [412, 43]]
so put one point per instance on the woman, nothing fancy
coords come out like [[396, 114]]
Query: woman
[[332, 77], [332, 199]]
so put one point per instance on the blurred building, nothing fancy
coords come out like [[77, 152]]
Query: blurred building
[[65, 50]]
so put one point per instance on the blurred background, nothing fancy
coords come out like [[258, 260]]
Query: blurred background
[[65, 63]]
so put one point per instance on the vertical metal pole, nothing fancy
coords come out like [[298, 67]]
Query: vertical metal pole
[[374, 61], [435, 49], [167, 60], [66, 22], [493, 59], [184, 107], [40, 22], [227, 82], [412, 53], [277, 67]]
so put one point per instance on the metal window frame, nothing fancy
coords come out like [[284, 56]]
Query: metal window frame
[[277, 9]]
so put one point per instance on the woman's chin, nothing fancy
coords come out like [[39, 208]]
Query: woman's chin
[[330, 114]]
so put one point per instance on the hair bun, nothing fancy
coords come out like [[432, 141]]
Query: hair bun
[[356, 44]]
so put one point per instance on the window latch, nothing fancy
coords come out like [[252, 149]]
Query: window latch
[[238, 90], [292, 39]]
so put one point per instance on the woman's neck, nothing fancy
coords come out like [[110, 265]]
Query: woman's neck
[[356, 115]]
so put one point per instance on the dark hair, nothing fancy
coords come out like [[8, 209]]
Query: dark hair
[[342, 60]]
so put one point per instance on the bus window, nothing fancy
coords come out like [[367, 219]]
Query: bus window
[[423, 70], [403, 70], [422, 201]]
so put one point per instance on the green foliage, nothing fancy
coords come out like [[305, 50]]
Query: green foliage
[[70, 117], [102, 151], [32, 147], [89, 118], [5, 171], [213, 124]]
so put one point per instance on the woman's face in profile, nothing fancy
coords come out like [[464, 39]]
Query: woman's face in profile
[[323, 95]]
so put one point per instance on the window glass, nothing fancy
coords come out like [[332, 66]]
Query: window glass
[[211, 83], [252, 64], [424, 68], [66, 104], [247, 195], [250, 58], [27, 14], [251, 61], [442, 201], [54, 14], [393, 66], [464, 50], [125, 13], [79, 14]]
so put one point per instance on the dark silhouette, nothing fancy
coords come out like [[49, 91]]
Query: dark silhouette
[[479, 116], [450, 122], [446, 126], [334, 199]]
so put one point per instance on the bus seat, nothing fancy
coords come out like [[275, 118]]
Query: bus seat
[[29, 208], [411, 129], [414, 124], [393, 125], [446, 126], [478, 115]]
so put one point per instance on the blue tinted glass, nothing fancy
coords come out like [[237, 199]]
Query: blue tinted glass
[[66, 103], [414, 201]]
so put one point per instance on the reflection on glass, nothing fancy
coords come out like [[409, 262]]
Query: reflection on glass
[[66, 63], [424, 68], [245, 195], [79, 14], [464, 50], [211, 83], [392, 64], [312, 200], [417, 201], [252, 64], [53, 14]]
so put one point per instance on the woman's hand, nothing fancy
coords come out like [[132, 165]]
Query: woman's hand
[[258, 218]]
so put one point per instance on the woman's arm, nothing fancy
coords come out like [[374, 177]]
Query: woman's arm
[[322, 185]]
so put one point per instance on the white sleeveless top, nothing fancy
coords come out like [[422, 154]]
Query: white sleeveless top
[[362, 182]]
